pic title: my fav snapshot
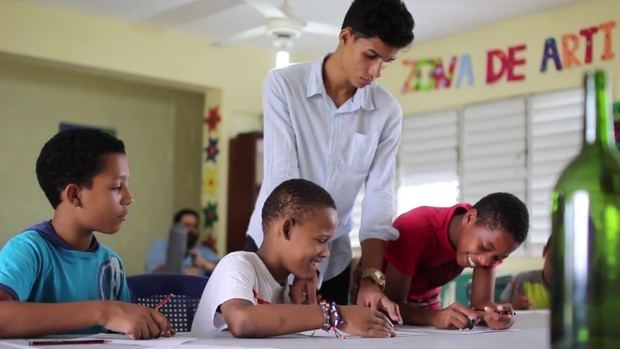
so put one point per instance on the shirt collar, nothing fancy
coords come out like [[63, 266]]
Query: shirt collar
[[449, 213], [315, 86], [46, 230]]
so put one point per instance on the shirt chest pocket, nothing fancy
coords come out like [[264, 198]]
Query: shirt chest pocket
[[360, 152]]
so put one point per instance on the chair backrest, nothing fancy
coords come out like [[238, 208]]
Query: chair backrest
[[150, 289], [463, 288], [500, 285]]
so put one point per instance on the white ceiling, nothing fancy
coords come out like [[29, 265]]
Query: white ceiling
[[221, 19]]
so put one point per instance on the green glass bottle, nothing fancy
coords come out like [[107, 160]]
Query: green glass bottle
[[585, 297]]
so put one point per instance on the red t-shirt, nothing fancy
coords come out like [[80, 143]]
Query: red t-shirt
[[423, 250]]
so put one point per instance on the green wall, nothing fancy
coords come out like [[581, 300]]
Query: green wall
[[161, 129]]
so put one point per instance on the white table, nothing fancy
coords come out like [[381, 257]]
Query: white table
[[531, 331]]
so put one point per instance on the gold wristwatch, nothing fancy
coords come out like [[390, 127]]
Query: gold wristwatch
[[376, 276]]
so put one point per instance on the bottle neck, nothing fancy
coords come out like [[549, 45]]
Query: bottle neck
[[598, 128]]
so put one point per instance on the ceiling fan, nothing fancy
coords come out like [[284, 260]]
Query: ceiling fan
[[282, 26]]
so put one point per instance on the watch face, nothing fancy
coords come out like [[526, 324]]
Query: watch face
[[379, 275], [375, 276]]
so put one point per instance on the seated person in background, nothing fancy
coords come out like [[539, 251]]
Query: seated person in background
[[55, 278], [188, 257], [437, 243], [531, 289], [246, 291]]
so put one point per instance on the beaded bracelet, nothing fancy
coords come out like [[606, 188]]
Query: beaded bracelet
[[332, 320], [326, 316], [334, 316]]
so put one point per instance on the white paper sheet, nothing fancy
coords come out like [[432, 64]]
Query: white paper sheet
[[204, 346], [15, 343], [150, 343], [323, 334], [432, 330]]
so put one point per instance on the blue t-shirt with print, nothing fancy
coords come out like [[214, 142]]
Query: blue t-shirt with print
[[38, 266]]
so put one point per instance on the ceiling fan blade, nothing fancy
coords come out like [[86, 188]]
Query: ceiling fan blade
[[248, 34], [322, 28], [267, 9]]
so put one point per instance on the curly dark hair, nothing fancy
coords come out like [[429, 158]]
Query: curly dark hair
[[504, 211], [294, 198], [73, 156], [389, 20]]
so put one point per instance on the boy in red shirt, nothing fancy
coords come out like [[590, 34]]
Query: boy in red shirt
[[437, 243]]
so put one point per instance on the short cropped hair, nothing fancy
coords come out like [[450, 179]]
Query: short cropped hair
[[182, 212], [389, 20], [504, 211], [73, 156], [294, 198]]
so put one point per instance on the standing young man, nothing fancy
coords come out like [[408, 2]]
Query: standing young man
[[328, 122]]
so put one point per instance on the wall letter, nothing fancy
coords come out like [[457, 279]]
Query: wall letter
[[465, 69], [513, 62], [492, 75], [408, 84], [550, 51], [439, 73], [424, 76], [587, 34], [570, 44], [608, 52]]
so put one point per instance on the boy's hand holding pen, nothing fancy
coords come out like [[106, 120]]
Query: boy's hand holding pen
[[501, 310], [455, 316]]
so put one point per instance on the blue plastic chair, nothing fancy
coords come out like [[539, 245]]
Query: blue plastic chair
[[500, 285], [463, 288], [150, 289]]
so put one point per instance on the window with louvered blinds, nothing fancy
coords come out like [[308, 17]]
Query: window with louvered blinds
[[428, 148], [428, 161], [518, 145], [554, 139], [493, 148], [426, 165]]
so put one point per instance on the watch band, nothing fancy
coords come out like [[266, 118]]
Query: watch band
[[376, 276]]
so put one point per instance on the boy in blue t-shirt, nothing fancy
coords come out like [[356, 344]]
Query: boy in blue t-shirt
[[55, 278]]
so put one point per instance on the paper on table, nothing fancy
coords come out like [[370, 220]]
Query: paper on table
[[534, 311], [203, 346], [114, 338], [429, 329], [323, 334], [15, 343], [400, 333]]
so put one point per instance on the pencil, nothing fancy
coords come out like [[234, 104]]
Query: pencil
[[503, 312], [164, 301], [65, 341]]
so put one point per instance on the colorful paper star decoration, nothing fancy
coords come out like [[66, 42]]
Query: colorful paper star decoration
[[210, 213], [212, 150], [213, 118], [210, 182]]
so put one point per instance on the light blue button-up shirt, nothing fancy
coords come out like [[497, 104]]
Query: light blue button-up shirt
[[307, 136]]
